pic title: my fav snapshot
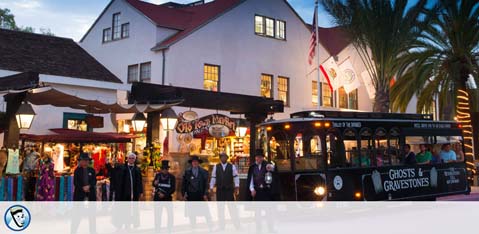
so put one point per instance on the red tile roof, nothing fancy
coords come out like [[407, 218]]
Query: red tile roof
[[186, 19], [333, 39]]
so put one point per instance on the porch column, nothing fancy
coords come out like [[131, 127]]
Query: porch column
[[12, 132]]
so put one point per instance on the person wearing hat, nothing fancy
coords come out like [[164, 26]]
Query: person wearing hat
[[225, 177], [195, 181], [262, 179], [131, 183], [164, 183], [84, 180]]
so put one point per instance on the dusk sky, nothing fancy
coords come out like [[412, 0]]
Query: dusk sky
[[72, 18]]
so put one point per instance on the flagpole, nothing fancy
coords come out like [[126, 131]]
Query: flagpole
[[317, 56]]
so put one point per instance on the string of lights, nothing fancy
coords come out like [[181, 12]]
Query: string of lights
[[465, 122]]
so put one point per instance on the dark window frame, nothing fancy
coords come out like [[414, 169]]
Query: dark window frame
[[288, 88], [113, 26], [141, 65], [122, 34], [137, 78], [262, 26], [276, 29], [218, 82], [106, 38], [271, 83]]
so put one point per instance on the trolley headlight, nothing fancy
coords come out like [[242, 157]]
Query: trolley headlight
[[320, 191]]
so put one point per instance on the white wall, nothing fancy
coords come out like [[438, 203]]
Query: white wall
[[117, 55], [230, 41]]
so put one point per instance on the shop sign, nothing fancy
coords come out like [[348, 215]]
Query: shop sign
[[217, 125]]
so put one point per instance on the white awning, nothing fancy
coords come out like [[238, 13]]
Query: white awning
[[54, 97]]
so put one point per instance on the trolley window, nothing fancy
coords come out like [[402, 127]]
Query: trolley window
[[279, 151], [310, 156], [335, 149], [350, 138], [366, 152]]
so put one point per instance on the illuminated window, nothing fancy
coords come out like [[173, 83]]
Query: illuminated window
[[327, 95], [132, 73], [343, 98], [125, 30], [259, 24], [145, 71], [430, 110], [280, 29], [269, 27], [283, 90], [314, 95], [348, 100], [116, 26], [267, 85], [211, 78], [106, 34], [353, 99]]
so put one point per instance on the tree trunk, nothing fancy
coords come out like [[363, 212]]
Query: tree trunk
[[381, 100]]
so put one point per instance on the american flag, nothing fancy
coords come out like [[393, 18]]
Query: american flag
[[314, 37]]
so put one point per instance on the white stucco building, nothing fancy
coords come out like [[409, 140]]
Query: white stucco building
[[237, 44]]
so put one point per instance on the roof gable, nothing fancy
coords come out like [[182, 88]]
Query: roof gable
[[333, 39], [186, 18], [29, 52]]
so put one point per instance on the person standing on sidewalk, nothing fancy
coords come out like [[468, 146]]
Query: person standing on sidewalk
[[84, 180], [262, 179], [225, 177], [164, 183], [131, 181], [195, 181]]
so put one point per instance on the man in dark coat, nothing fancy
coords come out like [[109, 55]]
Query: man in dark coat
[[84, 180], [195, 182], [164, 183], [131, 181], [262, 181], [225, 177], [114, 173]]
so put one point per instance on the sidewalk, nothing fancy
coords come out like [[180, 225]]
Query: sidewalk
[[473, 196]]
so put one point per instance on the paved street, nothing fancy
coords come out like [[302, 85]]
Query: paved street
[[474, 196]]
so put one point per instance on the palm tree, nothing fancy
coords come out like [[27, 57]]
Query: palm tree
[[380, 30], [440, 60], [439, 63]]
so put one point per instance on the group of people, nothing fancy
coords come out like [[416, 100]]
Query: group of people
[[446, 155], [126, 181]]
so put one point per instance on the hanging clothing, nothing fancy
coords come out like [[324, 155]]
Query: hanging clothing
[[13, 163], [57, 157], [46, 183], [31, 161]]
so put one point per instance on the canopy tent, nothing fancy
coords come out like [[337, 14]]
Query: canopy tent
[[51, 96], [60, 135]]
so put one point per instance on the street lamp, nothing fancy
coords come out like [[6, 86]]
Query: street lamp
[[138, 121], [241, 128], [168, 119], [24, 116]]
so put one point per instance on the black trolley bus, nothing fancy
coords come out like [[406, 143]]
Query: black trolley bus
[[347, 156]]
